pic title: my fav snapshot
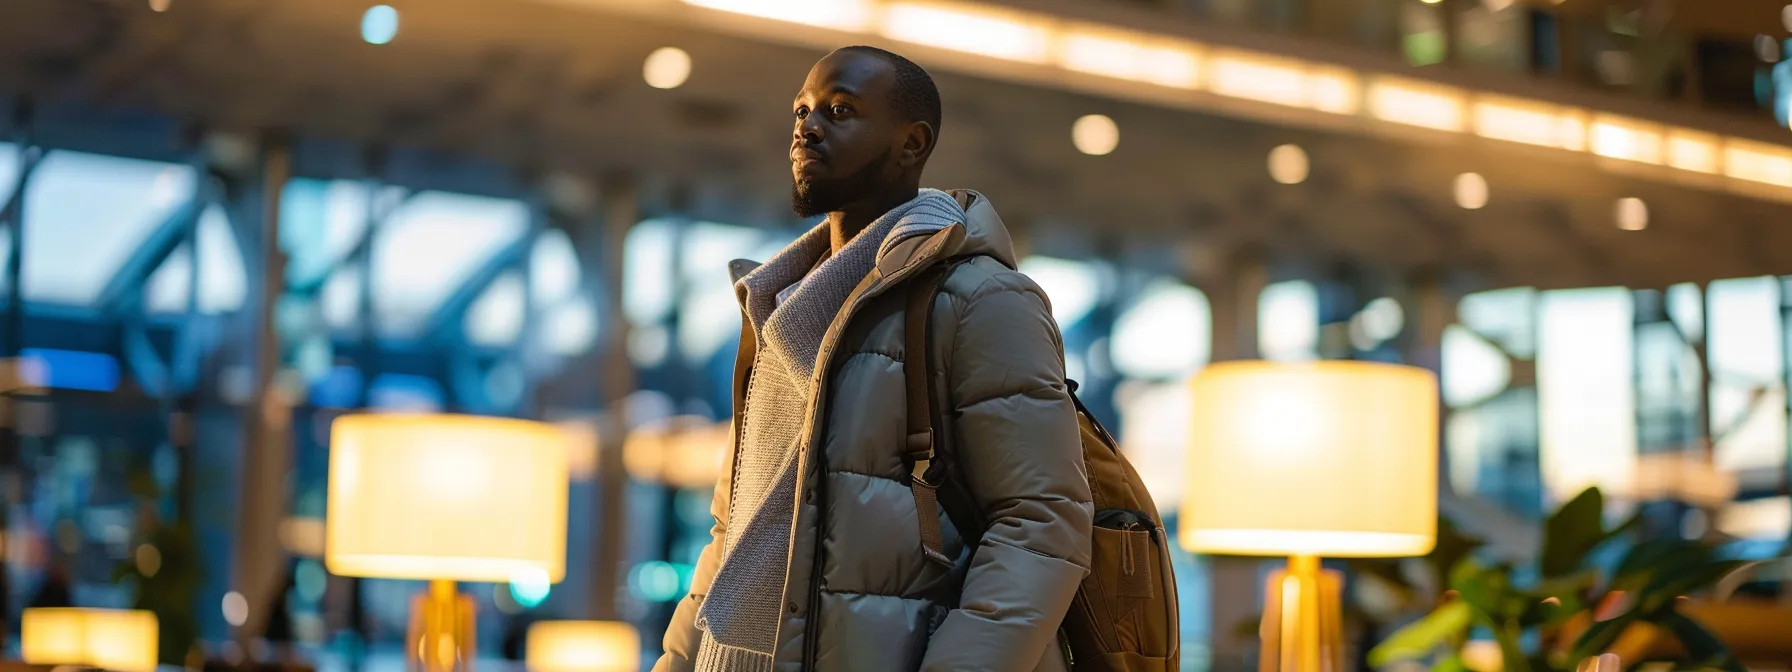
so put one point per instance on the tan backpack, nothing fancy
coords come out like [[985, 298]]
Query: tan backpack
[[1124, 617]]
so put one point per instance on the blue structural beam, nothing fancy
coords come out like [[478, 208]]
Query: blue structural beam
[[123, 293], [448, 316]]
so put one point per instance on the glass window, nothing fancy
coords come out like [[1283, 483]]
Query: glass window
[[1474, 370], [223, 284], [1504, 316], [9, 170], [1074, 287], [1746, 356], [320, 223], [709, 315], [1494, 39], [647, 278], [1586, 407], [97, 209], [1288, 321], [571, 328], [1165, 335], [496, 317], [1423, 39], [429, 246], [553, 268]]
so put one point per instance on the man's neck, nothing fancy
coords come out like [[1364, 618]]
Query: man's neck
[[846, 223]]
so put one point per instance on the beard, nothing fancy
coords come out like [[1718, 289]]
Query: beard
[[812, 197]]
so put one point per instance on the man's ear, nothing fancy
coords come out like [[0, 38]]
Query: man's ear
[[917, 144]]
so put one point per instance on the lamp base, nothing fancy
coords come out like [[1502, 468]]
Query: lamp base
[[1302, 627], [441, 632]]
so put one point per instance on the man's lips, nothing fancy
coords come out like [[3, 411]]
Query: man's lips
[[804, 158]]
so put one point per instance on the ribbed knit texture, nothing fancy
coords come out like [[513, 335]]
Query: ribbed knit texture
[[745, 605]]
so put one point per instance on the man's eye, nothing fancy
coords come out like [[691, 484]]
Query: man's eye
[[840, 110], [801, 112]]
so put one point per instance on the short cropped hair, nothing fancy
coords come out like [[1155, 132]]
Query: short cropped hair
[[914, 95]]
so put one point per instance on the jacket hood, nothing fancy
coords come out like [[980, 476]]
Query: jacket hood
[[981, 233]]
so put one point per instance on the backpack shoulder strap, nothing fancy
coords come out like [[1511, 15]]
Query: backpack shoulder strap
[[928, 451]]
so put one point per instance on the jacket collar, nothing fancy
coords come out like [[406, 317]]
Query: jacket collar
[[981, 233]]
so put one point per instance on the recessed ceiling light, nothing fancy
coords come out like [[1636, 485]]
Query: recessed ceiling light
[[1632, 214], [666, 68], [1095, 135], [1471, 191], [1288, 164]]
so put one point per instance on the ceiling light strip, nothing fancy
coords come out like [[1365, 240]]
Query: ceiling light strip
[[1175, 63]]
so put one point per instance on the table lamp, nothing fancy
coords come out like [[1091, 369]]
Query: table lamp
[[1309, 459], [109, 639], [445, 498], [582, 646]]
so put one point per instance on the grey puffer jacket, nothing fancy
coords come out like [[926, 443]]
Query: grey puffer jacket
[[863, 597]]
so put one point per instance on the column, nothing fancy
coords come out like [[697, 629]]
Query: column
[[1235, 589], [621, 211], [267, 458]]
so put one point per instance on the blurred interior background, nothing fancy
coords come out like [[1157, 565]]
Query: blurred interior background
[[227, 222]]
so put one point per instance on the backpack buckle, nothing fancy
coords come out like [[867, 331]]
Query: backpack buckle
[[919, 455]]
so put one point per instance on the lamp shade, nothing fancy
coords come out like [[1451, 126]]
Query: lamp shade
[[583, 646], [446, 497], [1321, 458], [111, 639]]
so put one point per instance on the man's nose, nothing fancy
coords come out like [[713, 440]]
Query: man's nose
[[807, 130]]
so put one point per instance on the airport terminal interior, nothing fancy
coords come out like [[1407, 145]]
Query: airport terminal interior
[[228, 224]]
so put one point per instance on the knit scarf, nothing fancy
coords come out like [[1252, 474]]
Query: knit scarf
[[744, 608]]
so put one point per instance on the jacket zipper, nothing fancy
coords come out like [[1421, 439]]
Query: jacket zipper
[[811, 622]]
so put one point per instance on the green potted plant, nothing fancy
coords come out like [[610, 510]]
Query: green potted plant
[[166, 569], [1573, 608]]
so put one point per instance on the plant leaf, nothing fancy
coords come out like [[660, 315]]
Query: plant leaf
[[1422, 637], [1601, 635], [1667, 586], [1452, 663], [1511, 650], [1700, 644], [1571, 532], [1452, 546], [1488, 589]]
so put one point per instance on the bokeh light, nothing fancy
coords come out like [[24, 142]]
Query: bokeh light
[[380, 24], [1288, 164], [1095, 135], [310, 580], [666, 68], [236, 609], [1632, 214], [530, 588], [658, 581], [149, 560], [1471, 191]]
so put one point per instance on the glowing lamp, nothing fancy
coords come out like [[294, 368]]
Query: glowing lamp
[[1309, 459], [583, 646], [110, 639], [446, 498]]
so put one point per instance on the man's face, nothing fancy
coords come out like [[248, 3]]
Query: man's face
[[846, 134]]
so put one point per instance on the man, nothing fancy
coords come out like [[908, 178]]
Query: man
[[816, 561]]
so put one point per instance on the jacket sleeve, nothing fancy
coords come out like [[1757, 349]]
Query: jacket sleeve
[[682, 635], [1020, 453]]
